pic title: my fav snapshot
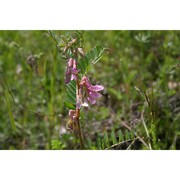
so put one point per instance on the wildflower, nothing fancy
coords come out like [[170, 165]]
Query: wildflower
[[81, 101], [91, 91], [71, 71]]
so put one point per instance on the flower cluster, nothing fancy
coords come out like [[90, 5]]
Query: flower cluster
[[71, 71], [90, 90], [85, 93]]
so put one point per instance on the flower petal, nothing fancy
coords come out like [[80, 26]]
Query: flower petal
[[71, 71], [70, 62], [74, 64], [67, 79], [87, 82], [91, 100], [68, 71], [94, 94], [73, 77], [96, 88], [85, 103], [74, 71]]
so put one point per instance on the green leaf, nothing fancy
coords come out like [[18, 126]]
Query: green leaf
[[127, 135], [96, 53], [70, 99], [132, 135], [103, 144], [92, 57], [106, 139], [69, 105], [99, 142], [89, 142], [113, 137], [120, 135], [57, 145], [116, 93]]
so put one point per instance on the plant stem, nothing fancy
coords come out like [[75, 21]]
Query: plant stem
[[79, 129], [77, 108], [146, 129], [10, 112], [78, 115], [152, 115]]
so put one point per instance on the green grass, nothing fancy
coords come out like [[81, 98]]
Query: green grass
[[140, 107]]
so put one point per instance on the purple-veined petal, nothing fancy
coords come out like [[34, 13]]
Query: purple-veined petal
[[73, 77], [70, 62], [74, 71], [94, 94], [74, 64], [87, 82], [92, 91], [71, 71], [91, 100], [67, 78], [68, 71], [96, 88]]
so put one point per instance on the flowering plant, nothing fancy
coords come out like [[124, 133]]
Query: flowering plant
[[80, 92]]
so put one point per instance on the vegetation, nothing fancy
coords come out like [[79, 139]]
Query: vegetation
[[140, 103]]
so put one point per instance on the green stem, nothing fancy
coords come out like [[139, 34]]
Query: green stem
[[146, 129], [150, 103], [10, 112], [147, 132]]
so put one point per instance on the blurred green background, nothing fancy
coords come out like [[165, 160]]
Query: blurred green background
[[140, 66]]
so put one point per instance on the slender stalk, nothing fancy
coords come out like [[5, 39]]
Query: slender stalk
[[10, 112], [146, 129], [77, 108], [8, 104], [152, 115], [79, 129], [78, 116]]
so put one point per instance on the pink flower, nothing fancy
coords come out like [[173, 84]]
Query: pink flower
[[81, 100], [71, 71], [92, 91]]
